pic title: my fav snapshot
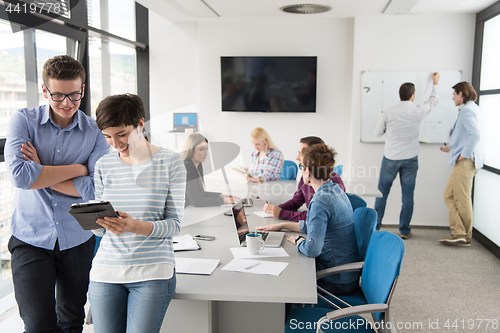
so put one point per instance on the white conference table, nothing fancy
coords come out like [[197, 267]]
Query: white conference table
[[233, 301]]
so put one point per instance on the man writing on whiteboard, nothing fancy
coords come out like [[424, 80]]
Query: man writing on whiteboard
[[401, 124]]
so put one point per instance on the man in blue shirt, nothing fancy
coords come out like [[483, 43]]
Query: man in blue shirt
[[50, 153], [466, 156]]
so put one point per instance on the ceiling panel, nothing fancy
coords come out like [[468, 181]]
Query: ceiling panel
[[451, 6], [193, 10], [265, 8]]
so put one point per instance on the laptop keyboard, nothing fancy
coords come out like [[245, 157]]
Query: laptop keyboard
[[263, 233]]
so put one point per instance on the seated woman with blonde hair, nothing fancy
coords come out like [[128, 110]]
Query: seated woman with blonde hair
[[267, 160], [331, 238], [194, 153]]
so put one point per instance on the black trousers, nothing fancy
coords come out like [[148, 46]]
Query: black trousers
[[51, 286]]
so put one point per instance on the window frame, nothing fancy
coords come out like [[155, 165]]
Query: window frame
[[76, 27], [481, 18]]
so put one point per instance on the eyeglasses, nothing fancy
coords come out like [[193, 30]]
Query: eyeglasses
[[60, 97], [301, 166]]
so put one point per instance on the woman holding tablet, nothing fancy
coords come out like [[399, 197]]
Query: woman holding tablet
[[132, 279], [194, 153], [267, 160], [331, 238]]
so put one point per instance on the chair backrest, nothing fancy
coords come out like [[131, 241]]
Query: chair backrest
[[356, 201], [382, 266], [365, 221], [289, 170], [338, 169]]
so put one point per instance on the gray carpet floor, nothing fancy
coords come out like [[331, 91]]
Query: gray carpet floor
[[442, 285]]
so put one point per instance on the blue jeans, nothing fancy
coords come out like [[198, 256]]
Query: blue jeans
[[51, 285], [407, 170], [130, 307]]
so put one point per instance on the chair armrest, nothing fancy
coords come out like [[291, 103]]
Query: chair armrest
[[355, 266], [347, 312]]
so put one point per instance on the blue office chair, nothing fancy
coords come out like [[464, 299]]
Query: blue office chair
[[97, 243], [289, 170], [356, 201], [378, 280], [338, 169], [365, 221]]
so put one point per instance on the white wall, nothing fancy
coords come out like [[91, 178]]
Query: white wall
[[185, 70], [329, 40], [410, 43], [173, 72]]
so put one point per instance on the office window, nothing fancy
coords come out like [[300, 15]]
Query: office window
[[490, 66], [489, 90], [114, 16], [112, 70], [12, 97], [486, 80], [491, 137]]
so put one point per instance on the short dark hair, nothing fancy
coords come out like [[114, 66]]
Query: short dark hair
[[312, 140], [320, 160], [467, 90], [62, 67], [406, 91], [120, 110]]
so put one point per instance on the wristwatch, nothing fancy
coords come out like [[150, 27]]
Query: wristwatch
[[298, 238]]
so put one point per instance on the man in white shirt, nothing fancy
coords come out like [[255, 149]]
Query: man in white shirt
[[401, 124]]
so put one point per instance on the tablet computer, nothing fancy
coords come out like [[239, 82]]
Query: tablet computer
[[88, 212]]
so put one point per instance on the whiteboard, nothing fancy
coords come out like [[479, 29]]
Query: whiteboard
[[380, 90]]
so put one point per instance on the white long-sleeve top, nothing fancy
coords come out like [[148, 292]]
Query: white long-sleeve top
[[401, 124]]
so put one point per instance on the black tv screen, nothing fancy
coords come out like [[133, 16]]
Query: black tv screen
[[268, 84]]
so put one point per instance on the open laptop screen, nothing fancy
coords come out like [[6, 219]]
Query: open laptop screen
[[185, 120], [239, 217]]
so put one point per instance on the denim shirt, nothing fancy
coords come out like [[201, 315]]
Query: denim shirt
[[289, 210], [40, 217], [331, 238]]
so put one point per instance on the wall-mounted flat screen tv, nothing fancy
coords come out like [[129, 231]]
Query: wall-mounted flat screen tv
[[269, 84]]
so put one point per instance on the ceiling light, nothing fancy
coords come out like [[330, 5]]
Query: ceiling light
[[305, 9]]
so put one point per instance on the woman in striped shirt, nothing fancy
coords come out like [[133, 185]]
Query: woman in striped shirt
[[132, 276]]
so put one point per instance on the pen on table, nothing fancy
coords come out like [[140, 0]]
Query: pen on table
[[252, 265]]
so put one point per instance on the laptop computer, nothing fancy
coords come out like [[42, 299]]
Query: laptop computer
[[182, 121], [271, 239]]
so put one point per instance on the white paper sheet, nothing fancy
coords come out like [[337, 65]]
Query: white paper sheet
[[195, 266], [185, 243], [262, 214], [256, 266], [268, 252]]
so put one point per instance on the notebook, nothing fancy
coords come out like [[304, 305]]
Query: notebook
[[272, 239]]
